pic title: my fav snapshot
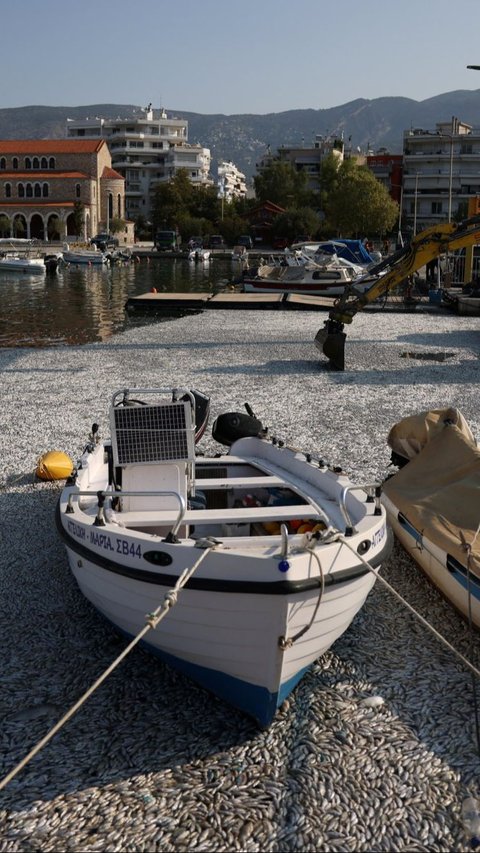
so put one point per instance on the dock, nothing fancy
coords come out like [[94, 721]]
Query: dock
[[193, 302], [197, 301]]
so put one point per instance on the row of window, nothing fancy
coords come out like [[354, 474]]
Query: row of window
[[30, 163], [33, 190]]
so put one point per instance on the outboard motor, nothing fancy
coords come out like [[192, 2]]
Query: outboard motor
[[234, 425]]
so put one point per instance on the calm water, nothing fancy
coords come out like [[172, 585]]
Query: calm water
[[83, 304]]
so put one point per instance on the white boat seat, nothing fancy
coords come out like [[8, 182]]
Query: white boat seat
[[235, 515]]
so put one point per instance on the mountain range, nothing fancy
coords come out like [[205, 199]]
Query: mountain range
[[243, 139]]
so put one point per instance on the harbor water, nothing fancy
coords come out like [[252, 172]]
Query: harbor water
[[81, 304]]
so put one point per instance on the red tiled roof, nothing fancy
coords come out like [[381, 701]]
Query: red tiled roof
[[33, 175], [34, 202], [50, 146], [111, 173]]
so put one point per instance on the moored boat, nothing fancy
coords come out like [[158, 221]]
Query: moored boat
[[433, 502], [83, 256], [274, 542], [20, 256], [326, 279]]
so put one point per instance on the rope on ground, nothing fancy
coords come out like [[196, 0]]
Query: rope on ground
[[425, 623], [153, 619]]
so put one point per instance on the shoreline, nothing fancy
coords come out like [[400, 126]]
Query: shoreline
[[153, 762]]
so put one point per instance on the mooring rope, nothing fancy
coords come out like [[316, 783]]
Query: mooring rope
[[152, 620], [425, 623]]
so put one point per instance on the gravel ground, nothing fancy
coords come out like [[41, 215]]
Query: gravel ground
[[152, 762]]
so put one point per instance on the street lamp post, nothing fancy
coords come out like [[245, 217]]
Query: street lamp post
[[450, 179], [415, 206]]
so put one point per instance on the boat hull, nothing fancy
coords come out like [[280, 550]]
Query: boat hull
[[460, 587], [226, 638], [32, 266]]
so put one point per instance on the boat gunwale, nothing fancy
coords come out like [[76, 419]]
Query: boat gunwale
[[278, 587]]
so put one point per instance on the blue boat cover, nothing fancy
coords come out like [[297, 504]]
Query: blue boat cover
[[349, 250]]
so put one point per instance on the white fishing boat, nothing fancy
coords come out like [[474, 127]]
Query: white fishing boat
[[20, 256], [433, 502], [83, 256], [259, 553]]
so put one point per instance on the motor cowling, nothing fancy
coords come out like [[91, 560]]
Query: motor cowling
[[231, 426]]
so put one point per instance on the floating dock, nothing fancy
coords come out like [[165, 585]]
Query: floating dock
[[184, 303]]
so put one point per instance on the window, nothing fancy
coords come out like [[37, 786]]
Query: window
[[8, 190], [15, 163], [21, 190], [29, 191], [36, 163], [45, 190], [37, 190], [44, 163], [28, 163], [3, 163], [119, 205], [51, 163], [77, 190]]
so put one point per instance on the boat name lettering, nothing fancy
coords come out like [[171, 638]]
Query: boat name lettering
[[101, 539], [128, 548], [379, 535], [75, 529]]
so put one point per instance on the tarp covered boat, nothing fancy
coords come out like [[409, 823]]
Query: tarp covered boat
[[433, 502]]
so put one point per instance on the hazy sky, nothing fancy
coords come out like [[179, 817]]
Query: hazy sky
[[247, 56]]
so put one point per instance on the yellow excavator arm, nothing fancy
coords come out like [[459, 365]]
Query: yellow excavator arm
[[424, 247]]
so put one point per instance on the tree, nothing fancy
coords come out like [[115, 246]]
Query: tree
[[280, 183], [296, 221], [360, 205], [117, 224], [78, 217], [4, 225], [172, 198]]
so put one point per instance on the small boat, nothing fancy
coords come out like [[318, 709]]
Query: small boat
[[433, 502], [199, 255], [83, 256], [273, 541], [317, 279], [19, 256]]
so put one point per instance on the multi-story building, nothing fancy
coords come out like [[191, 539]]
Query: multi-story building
[[441, 172], [146, 151], [388, 169], [306, 159], [231, 181], [48, 185]]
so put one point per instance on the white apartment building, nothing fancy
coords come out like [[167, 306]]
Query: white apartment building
[[441, 171], [231, 181], [146, 151]]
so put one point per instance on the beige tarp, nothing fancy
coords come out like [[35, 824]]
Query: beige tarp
[[439, 489], [411, 434]]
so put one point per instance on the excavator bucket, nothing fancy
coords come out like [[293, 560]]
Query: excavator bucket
[[331, 341]]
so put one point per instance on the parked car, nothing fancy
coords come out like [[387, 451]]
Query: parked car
[[245, 240], [167, 241], [216, 241], [104, 241]]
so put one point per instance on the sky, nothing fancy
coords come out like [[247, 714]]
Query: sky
[[235, 56]]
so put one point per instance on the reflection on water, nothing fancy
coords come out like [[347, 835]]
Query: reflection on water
[[82, 304]]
